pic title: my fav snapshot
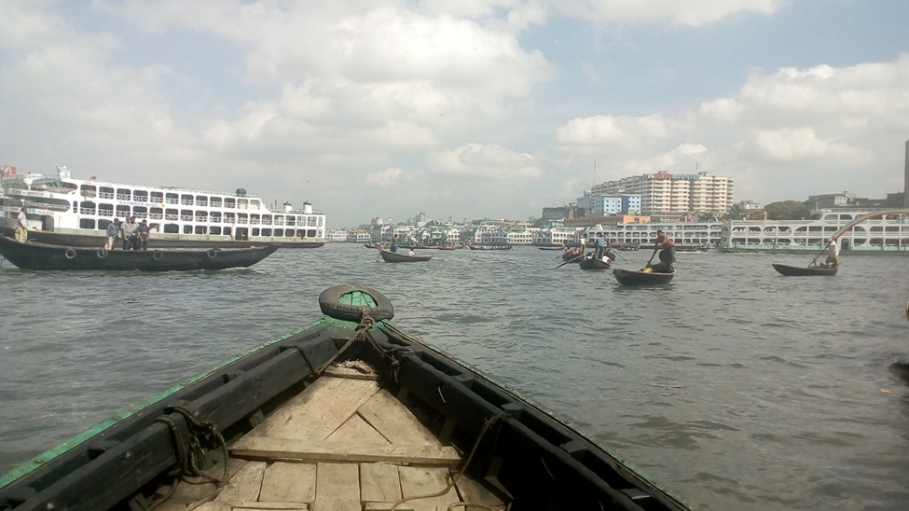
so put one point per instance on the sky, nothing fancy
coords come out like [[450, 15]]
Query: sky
[[457, 108]]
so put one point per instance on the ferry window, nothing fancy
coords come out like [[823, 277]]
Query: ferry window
[[230, 203], [216, 216], [201, 200], [242, 218], [893, 229], [186, 200], [214, 230], [266, 232], [301, 232], [122, 211], [172, 198], [230, 218], [156, 214], [877, 229], [140, 212], [201, 216], [171, 228], [310, 233], [187, 229], [288, 233], [86, 223], [266, 219], [88, 190], [279, 220], [171, 214], [227, 231], [242, 204], [830, 217], [255, 232], [140, 196], [157, 197], [291, 221], [312, 221], [201, 229], [154, 227], [124, 194], [845, 217], [215, 202], [186, 215], [279, 232], [254, 204], [106, 209], [106, 192], [254, 219], [102, 224], [87, 208]]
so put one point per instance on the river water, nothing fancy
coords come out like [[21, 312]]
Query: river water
[[735, 387]]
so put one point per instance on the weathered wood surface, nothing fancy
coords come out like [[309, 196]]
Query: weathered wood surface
[[271, 506], [395, 422], [357, 430], [245, 485], [282, 448], [186, 494], [289, 482], [472, 492], [337, 487], [318, 411], [417, 481], [379, 482]]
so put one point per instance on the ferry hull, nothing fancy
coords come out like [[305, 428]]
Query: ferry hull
[[874, 251], [95, 241]]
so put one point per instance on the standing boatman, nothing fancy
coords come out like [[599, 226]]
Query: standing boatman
[[667, 254], [22, 226], [601, 246], [833, 253]]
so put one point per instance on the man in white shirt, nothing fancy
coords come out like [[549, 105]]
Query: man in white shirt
[[22, 226], [833, 253]]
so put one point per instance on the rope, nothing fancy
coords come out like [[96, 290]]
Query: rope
[[203, 435], [454, 479]]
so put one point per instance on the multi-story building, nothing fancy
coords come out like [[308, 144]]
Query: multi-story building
[[673, 195]]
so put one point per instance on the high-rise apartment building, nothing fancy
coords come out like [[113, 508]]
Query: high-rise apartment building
[[667, 195]]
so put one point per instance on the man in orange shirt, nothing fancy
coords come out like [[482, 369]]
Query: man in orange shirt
[[667, 254]]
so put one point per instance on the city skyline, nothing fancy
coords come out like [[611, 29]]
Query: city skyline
[[487, 109]]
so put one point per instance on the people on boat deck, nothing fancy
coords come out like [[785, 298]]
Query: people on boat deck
[[113, 232], [583, 241], [144, 232], [410, 252], [833, 253], [22, 226], [394, 243], [128, 233], [667, 252]]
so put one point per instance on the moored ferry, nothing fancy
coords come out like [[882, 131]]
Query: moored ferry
[[684, 234], [887, 235], [76, 212]]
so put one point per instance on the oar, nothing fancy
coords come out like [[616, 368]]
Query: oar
[[378, 255], [569, 261]]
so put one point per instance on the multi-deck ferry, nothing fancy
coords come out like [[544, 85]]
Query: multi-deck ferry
[[76, 212], [887, 235]]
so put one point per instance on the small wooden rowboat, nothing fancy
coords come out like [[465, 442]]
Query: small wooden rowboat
[[592, 263], [489, 247], [397, 257], [37, 256], [347, 413], [798, 271], [551, 248], [642, 278]]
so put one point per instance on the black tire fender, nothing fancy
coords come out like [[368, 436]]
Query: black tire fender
[[101, 253], [70, 253], [211, 253], [330, 303], [157, 255]]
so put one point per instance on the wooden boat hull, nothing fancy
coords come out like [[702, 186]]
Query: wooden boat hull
[[593, 263], [95, 241], [396, 257], [534, 456], [641, 278], [551, 248], [35, 256], [797, 271]]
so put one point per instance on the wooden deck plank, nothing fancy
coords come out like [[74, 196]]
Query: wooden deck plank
[[423, 480], [349, 372], [395, 422], [272, 506], [214, 506], [357, 430], [379, 482], [337, 487], [186, 494], [472, 492], [289, 482], [245, 485], [317, 411], [288, 449]]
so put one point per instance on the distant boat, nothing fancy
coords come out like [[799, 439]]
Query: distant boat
[[551, 248], [37, 256], [592, 263], [489, 247], [641, 278], [798, 271], [397, 257]]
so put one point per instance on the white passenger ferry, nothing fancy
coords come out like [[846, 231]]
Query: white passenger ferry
[[888, 235], [683, 234], [76, 212]]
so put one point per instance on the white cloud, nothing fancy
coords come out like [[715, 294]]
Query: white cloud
[[487, 162], [384, 178], [681, 12]]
